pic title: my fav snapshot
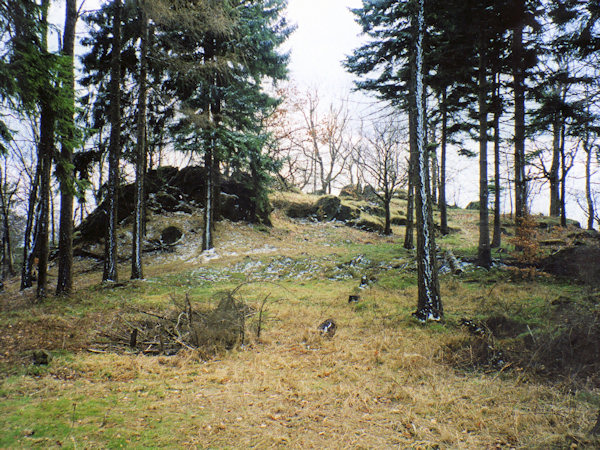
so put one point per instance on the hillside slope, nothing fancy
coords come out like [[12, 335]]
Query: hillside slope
[[514, 364]]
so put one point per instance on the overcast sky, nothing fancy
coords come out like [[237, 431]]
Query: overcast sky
[[326, 33]]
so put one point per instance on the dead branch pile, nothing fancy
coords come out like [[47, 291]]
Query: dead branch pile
[[182, 326]]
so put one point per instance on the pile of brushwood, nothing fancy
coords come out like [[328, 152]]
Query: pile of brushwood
[[206, 330]]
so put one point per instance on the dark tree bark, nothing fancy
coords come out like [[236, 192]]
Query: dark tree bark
[[410, 201], [564, 170], [497, 235], [207, 237], [484, 256], [444, 140], [429, 305], [45, 153], [588, 185], [110, 245], [553, 175], [65, 172], [7, 268], [31, 230], [46, 150], [519, 97], [140, 167]]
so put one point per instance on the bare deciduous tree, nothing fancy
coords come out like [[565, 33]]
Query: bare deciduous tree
[[383, 164]]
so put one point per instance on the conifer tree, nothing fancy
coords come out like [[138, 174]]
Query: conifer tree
[[65, 163], [114, 154]]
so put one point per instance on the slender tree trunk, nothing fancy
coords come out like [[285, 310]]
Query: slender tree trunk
[[110, 245], [5, 200], [563, 180], [207, 238], [588, 186], [519, 94], [45, 153], [484, 256], [410, 202], [444, 139], [434, 168], [30, 235], [140, 168], [65, 239], [497, 236], [429, 305], [553, 176], [388, 220]]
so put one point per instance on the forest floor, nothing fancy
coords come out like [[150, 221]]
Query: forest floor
[[383, 380]]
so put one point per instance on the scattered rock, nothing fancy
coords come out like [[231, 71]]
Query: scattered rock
[[369, 193], [351, 190], [328, 328], [170, 235], [353, 298], [368, 225], [328, 207], [298, 210], [552, 242], [397, 220], [41, 357], [347, 213]]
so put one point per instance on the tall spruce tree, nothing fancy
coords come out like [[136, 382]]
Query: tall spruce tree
[[65, 164], [392, 66], [114, 153], [140, 156]]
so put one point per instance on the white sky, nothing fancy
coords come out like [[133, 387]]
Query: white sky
[[326, 33]]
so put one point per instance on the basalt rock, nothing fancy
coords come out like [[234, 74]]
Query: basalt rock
[[169, 189], [578, 263]]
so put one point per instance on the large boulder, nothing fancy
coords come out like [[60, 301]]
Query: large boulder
[[328, 207], [170, 189], [347, 213], [351, 190], [578, 263], [369, 193], [170, 235]]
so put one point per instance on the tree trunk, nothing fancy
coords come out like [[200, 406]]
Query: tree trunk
[[444, 140], [7, 260], [519, 97], [387, 230], [45, 153], [563, 183], [30, 235], [207, 238], [410, 202], [484, 257], [553, 177], [497, 236], [140, 168], [429, 305], [114, 152], [588, 185], [65, 238]]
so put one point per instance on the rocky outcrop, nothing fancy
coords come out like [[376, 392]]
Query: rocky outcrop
[[169, 189], [578, 263]]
